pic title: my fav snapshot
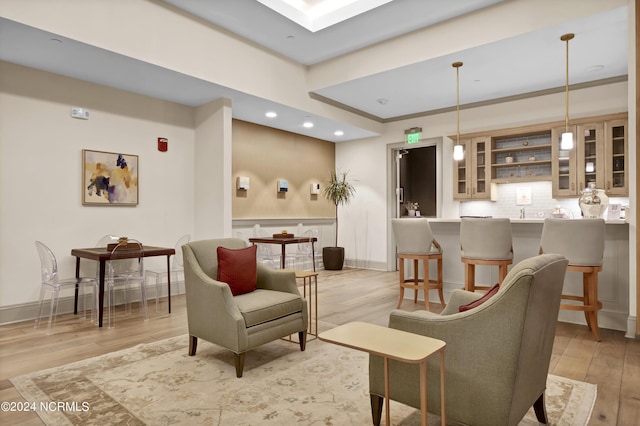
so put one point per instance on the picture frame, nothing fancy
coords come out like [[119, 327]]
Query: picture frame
[[109, 178]]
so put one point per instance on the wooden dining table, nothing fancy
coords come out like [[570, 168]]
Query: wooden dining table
[[283, 241], [103, 255]]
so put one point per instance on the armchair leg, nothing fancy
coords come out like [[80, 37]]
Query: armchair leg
[[239, 360], [193, 344], [302, 338], [376, 408], [540, 410]]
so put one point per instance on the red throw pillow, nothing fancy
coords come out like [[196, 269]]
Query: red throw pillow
[[493, 290], [238, 268]]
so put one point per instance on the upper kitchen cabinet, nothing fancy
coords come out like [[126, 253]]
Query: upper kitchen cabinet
[[599, 156], [472, 176], [564, 179], [616, 158]]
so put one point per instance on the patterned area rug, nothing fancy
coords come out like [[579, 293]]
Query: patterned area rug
[[158, 384]]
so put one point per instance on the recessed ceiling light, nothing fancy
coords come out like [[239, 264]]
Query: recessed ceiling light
[[382, 101], [338, 133], [307, 124], [271, 114]]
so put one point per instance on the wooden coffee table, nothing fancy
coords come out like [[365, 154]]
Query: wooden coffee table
[[399, 345]]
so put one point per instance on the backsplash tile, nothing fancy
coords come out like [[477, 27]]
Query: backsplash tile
[[541, 201]]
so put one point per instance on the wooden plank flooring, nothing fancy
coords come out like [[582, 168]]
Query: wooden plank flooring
[[347, 295]]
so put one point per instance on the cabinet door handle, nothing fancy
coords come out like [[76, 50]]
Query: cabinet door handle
[[609, 184], [573, 186], [474, 189]]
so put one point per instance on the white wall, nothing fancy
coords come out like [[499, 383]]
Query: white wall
[[40, 172]]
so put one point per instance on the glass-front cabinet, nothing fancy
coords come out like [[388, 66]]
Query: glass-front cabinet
[[616, 153], [600, 156], [462, 174], [563, 173], [532, 153], [590, 154], [472, 177]]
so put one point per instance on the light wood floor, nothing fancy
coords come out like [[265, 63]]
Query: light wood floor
[[613, 364]]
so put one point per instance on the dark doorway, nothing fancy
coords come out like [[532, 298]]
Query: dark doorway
[[418, 180]]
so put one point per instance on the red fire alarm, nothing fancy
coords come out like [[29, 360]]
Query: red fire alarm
[[163, 144]]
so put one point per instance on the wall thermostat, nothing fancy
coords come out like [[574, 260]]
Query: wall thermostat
[[283, 185], [315, 188]]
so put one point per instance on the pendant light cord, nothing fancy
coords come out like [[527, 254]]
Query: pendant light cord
[[457, 66], [566, 38]]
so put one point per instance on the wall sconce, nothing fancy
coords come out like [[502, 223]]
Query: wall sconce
[[315, 188], [283, 185], [590, 167], [242, 183]]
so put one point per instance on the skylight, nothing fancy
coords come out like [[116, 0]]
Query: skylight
[[315, 15]]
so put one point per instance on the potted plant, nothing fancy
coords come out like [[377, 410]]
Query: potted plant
[[339, 191]]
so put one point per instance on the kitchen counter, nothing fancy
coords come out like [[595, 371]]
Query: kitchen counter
[[531, 220], [614, 278]]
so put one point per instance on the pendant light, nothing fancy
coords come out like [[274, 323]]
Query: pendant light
[[566, 143], [458, 152]]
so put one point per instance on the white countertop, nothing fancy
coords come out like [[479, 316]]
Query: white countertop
[[516, 221]]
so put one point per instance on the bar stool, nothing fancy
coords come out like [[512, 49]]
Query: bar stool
[[415, 241], [485, 241], [582, 242]]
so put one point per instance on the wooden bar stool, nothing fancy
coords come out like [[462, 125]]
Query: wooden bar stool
[[415, 241], [582, 242], [485, 241]]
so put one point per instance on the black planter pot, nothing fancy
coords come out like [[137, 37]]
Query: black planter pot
[[333, 258]]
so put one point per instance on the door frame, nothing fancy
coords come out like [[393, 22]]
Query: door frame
[[393, 149]]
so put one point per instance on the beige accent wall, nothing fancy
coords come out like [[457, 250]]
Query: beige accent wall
[[265, 155]]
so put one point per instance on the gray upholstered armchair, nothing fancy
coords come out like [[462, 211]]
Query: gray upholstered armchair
[[497, 355], [239, 323]]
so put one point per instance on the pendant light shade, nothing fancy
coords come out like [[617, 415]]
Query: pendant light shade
[[458, 151], [566, 143]]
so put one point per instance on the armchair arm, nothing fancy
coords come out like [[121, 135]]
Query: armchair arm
[[211, 310], [277, 280]]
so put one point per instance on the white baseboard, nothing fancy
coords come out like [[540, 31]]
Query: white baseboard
[[29, 311]]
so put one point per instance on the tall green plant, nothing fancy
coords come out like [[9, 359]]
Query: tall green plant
[[339, 191]]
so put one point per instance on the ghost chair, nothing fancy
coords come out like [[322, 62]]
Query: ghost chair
[[52, 282], [176, 270], [125, 270]]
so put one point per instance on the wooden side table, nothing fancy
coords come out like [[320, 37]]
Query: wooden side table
[[309, 278], [399, 345]]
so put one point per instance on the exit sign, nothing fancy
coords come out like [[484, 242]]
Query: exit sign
[[413, 137]]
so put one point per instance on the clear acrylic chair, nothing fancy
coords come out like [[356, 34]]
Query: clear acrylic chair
[[125, 268], [303, 255], [51, 281], [176, 269], [266, 253]]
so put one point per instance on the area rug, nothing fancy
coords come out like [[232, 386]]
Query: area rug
[[159, 384]]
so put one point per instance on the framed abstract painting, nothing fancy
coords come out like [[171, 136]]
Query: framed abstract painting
[[109, 179]]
